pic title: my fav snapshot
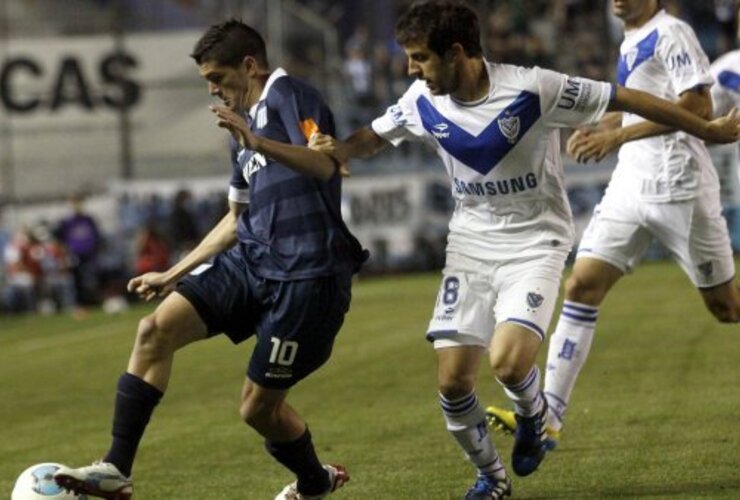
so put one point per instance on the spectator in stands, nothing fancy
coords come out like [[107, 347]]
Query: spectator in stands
[[57, 285], [23, 271], [80, 234], [183, 228], [152, 251]]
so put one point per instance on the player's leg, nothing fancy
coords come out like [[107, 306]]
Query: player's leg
[[461, 328], [295, 338], [457, 369], [174, 324], [570, 343], [612, 245], [705, 253]]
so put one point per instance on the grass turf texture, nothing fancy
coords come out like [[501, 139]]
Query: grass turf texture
[[655, 414]]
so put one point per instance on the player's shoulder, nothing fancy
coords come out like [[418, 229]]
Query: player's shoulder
[[285, 85], [669, 25], [515, 77]]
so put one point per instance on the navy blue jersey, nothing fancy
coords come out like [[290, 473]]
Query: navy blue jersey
[[293, 228]]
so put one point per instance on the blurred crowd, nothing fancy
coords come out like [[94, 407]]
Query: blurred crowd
[[70, 264]]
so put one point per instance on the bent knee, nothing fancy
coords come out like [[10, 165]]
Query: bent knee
[[509, 371], [585, 288], [255, 413], [455, 386], [724, 311], [153, 337]]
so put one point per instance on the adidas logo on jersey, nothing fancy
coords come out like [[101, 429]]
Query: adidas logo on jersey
[[440, 131]]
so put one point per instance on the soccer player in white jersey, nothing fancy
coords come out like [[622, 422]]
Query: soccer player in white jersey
[[664, 186], [495, 128]]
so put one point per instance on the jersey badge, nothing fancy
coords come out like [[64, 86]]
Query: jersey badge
[[509, 126], [534, 299]]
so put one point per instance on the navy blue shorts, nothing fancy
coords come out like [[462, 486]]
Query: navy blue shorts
[[295, 321]]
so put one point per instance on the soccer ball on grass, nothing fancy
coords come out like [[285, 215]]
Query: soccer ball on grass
[[37, 483]]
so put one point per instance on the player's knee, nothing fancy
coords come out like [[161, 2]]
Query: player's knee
[[456, 385], [152, 338], [255, 413], [725, 311], [508, 372], [584, 288]]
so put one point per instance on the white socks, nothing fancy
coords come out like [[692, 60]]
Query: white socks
[[466, 421], [526, 394], [569, 347]]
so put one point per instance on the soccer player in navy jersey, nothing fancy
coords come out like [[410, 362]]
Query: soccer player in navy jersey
[[495, 128], [278, 265]]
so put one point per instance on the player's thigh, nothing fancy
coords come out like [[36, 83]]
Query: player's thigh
[[513, 351], [295, 336], [528, 292], [457, 369], [177, 319], [616, 233], [463, 314], [225, 295], [705, 254]]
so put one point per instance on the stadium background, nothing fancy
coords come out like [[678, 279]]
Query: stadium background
[[99, 99]]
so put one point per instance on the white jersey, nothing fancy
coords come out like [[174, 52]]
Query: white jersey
[[726, 90], [502, 154], [663, 57]]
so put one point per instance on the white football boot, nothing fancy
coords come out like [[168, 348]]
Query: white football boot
[[338, 475], [101, 479]]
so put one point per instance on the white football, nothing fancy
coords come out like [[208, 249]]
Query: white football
[[37, 483]]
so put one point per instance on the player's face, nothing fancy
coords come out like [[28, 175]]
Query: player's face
[[227, 83], [425, 64], [632, 10]]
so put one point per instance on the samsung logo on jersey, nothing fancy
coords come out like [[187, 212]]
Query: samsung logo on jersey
[[440, 131], [255, 163], [493, 188]]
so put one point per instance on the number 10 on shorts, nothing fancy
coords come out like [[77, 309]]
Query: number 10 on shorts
[[283, 352]]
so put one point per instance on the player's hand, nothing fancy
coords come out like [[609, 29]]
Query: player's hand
[[150, 285], [585, 145], [236, 125], [725, 129], [329, 145]]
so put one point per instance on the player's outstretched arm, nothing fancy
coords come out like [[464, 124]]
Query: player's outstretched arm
[[725, 129], [299, 158], [220, 238], [363, 143]]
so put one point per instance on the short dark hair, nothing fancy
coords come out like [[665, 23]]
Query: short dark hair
[[229, 43], [440, 23]]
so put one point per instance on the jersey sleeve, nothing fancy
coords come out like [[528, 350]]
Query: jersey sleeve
[[401, 122], [568, 101], [687, 66], [302, 114], [238, 187]]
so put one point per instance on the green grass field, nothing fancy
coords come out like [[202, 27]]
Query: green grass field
[[655, 414]]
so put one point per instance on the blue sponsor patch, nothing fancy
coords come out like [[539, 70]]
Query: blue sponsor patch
[[569, 348]]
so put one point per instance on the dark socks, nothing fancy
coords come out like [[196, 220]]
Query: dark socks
[[135, 402], [300, 457]]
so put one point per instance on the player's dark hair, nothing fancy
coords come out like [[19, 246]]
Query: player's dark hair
[[439, 24], [228, 43]]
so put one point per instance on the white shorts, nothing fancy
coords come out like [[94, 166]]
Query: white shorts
[[476, 296], [693, 231]]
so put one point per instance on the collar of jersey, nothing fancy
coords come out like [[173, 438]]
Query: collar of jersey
[[278, 73], [648, 25], [472, 104]]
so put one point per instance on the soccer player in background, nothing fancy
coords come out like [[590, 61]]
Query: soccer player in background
[[495, 128], [280, 267], [726, 91], [664, 187]]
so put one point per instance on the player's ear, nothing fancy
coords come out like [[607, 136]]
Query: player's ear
[[455, 52], [250, 64]]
